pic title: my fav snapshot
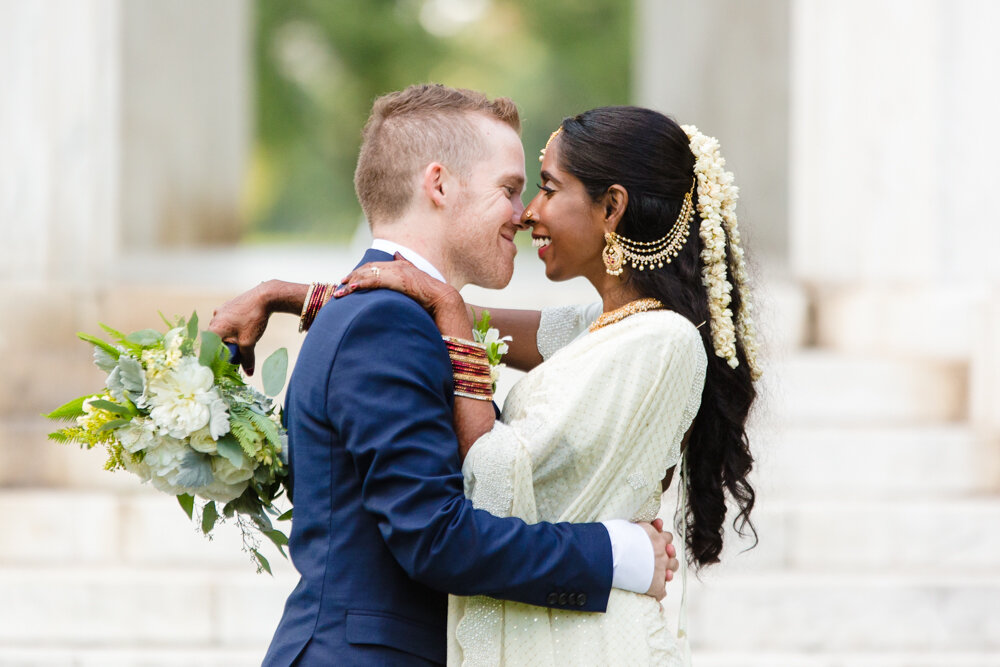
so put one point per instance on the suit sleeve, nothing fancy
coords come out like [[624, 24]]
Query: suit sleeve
[[389, 398]]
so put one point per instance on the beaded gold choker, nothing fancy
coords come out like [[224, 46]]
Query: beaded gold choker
[[631, 308], [619, 250]]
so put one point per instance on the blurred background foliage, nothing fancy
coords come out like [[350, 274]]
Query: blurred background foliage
[[320, 63]]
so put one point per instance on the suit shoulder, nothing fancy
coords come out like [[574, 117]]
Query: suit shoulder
[[380, 308]]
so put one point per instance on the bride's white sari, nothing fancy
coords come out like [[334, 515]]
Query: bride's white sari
[[585, 436]]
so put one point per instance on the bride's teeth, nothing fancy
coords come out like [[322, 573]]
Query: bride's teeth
[[542, 241]]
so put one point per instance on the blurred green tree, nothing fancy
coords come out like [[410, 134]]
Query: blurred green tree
[[320, 63]]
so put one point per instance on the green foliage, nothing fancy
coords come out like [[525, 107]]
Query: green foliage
[[187, 504], [209, 515], [319, 65], [274, 371], [211, 345], [69, 411], [104, 345]]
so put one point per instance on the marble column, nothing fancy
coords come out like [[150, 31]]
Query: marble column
[[723, 65], [125, 125]]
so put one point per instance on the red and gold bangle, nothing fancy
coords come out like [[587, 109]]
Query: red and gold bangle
[[317, 297], [470, 367]]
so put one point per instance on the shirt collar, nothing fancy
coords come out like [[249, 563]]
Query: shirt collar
[[411, 256]]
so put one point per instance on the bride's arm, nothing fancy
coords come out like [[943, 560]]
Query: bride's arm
[[242, 320]]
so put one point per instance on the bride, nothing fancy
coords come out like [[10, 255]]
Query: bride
[[659, 374]]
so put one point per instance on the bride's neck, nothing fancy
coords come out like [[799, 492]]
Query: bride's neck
[[615, 292]]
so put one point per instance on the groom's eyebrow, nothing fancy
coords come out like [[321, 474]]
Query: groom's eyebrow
[[515, 179]]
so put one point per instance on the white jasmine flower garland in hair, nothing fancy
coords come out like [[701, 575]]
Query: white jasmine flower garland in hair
[[178, 415], [717, 197]]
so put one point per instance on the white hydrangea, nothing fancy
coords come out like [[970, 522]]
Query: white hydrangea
[[184, 400]]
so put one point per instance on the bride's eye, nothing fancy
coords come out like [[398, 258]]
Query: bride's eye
[[546, 189]]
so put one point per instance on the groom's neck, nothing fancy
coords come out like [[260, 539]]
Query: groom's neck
[[422, 237]]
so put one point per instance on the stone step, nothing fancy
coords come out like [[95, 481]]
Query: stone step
[[140, 607], [869, 537], [780, 613], [848, 659], [933, 612], [142, 528], [212, 657], [35, 656], [858, 462], [209, 657], [815, 388], [147, 529]]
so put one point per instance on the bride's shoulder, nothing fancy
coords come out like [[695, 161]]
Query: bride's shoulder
[[660, 328]]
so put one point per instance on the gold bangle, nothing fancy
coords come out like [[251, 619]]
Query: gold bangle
[[305, 308]]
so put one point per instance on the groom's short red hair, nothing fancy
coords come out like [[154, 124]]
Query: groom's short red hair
[[411, 128]]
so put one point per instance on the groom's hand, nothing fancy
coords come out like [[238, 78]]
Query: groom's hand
[[665, 561]]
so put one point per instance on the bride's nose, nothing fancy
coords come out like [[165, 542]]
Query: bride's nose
[[527, 219]]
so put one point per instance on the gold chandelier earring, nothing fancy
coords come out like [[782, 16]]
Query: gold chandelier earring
[[650, 254], [614, 257]]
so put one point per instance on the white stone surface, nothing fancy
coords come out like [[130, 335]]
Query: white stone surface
[[137, 607], [821, 388], [846, 463], [932, 611]]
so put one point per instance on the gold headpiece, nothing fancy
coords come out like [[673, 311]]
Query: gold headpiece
[[642, 254], [541, 153]]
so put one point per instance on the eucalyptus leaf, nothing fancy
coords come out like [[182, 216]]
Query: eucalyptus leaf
[[262, 561], [279, 539], [192, 326], [146, 337], [274, 370], [210, 346], [287, 516], [230, 448], [195, 470], [209, 515], [187, 503]]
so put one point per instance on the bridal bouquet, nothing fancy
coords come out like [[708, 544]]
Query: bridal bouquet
[[176, 413]]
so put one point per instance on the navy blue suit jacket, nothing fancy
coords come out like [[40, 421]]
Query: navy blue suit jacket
[[382, 528]]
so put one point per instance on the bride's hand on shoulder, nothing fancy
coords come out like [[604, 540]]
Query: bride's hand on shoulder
[[441, 300]]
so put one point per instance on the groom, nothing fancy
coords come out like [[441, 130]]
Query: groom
[[382, 529]]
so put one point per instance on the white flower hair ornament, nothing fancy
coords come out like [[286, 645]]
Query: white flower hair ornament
[[717, 207]]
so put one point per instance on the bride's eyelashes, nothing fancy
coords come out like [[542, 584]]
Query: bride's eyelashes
[[546, 189]]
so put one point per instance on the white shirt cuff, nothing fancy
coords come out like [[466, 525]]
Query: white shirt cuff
[[631, 556]]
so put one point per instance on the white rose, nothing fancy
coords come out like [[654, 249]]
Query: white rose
[[202, 441], [227, 473], [223, 493]]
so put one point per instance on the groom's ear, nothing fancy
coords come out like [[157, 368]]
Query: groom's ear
[[614, 203], [435, 184]]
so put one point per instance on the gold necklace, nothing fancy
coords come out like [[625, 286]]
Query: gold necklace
[[631, 308]]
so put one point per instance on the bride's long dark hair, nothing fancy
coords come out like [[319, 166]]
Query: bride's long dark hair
[[649, 155]]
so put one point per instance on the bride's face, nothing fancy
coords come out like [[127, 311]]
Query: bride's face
[[567, 226]]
